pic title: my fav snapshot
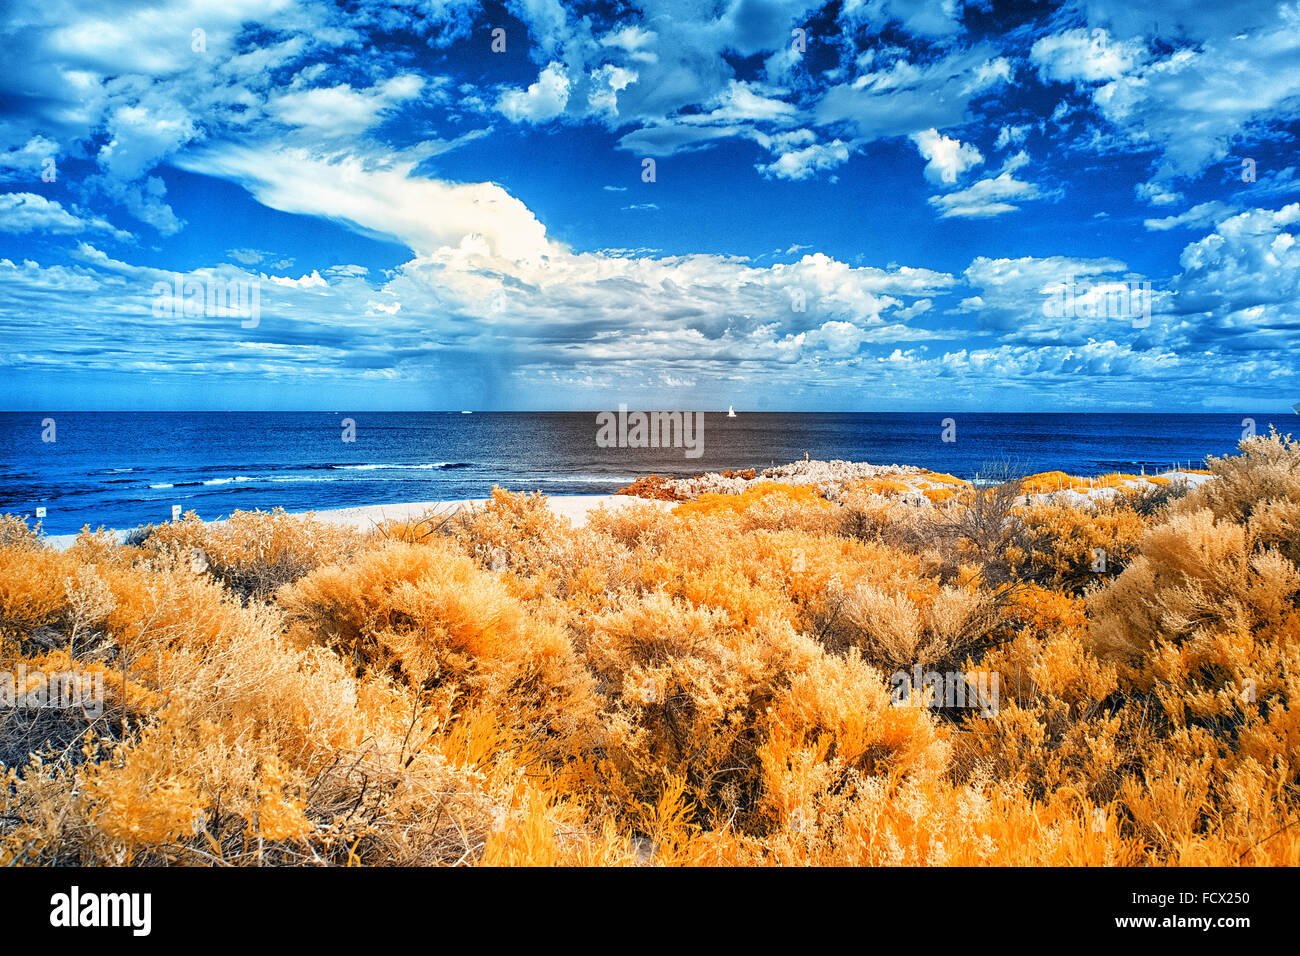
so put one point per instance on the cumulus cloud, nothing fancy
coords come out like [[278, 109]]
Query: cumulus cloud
[[947, 158], [1244, 281], [28, 160], [929, 18], [1157, 194], [543, 100], [1195, 101], [282, 102], [802, 163], [28, 212], [1012, 294], [908, 97], [1011, 136]]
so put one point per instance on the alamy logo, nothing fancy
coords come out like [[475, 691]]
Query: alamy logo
[[1100, 300], [74, 909], [63, 690], [192, 298], [974, 689], [651, 430]]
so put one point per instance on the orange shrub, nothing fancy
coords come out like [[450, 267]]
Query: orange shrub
[[715, 685], [764, 491]]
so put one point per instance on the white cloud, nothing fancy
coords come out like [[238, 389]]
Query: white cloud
[[989, 197], [28, 212], [29, 158], [140, 134], [606, 83], [1011, 136], [1088, 56], [1245, 278], [932, 18], [1012, 293], [340, 111], [800, 164], [744, 102], [948, 158], [634, 40], [425, 214], [906, 97], [1198, 217], [1196, 101], [1158, 194], [543, 100]]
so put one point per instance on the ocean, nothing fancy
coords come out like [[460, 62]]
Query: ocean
[[120, 469]]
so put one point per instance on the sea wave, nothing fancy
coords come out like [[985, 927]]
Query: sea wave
[[561, 479], [383, 466]]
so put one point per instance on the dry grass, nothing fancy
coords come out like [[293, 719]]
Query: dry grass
[[710, 686]]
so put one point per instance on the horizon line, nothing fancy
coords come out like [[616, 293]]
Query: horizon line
[[598, 410]]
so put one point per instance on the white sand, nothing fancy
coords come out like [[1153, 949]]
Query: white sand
[[365, 517], [573, 507]]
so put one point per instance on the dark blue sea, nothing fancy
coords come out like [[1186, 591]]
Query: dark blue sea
[[120, 469]]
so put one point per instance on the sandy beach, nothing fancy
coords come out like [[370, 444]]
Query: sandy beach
[[574, 507], [363, 517]]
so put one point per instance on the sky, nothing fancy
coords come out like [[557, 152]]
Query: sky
[[866, 205]]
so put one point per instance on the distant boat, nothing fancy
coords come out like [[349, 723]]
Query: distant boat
[[463, 412], [731, 411], [1296, 408]]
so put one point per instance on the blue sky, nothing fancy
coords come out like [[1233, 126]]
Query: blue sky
[[861, 205]]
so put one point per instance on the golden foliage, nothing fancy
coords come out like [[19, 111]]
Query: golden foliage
[[708, 686], [762, 493], [252, 553]]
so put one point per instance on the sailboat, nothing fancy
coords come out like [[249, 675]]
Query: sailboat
[[731, 411], [1296, 408]]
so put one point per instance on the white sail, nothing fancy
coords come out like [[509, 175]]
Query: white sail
[[731, 411]]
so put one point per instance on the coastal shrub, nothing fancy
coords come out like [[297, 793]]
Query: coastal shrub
[[1072, 548], [707, 682], [510, 531], [137, 536], [431, 523], [431, 620], [764, 493], [1153, 497], [1202, 628], [16, 533], [935, 627], [253, 553], [1267, 469]]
